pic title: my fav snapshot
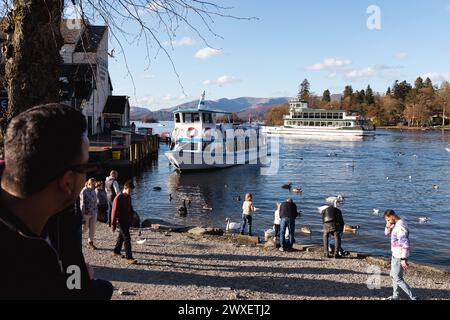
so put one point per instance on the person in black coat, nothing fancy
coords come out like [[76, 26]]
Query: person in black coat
[[333, 224], [288, 214]]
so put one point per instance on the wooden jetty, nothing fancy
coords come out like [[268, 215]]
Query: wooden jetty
[[128, 158]]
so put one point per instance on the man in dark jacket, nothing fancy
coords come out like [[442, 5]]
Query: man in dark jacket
[[333, 224], [122, 218], [288, 214], [43, 174]]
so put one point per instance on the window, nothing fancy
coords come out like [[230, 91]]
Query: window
[[207, 117], [323, 116], [341, 116], [177, 118], [317, 115], [195, 117], [335, 116]]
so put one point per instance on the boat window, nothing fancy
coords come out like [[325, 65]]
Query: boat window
[[207, 117], [323, 116], [177, 118], [335, 116], [195, 117], [341, 116], [329, 115], [317, 115], [323, 124]]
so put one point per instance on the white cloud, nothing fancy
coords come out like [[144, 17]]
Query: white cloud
[[380, 71], [221, 81], [329, 63], [401, 55], [437, 76], [207, 53], [185, 41]]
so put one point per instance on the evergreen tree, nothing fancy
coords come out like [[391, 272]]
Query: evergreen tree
[[388, 92], [303, 93], [348, 92], [401, 90], [418, 84], [369, 98], [428, 84], [326, 97]]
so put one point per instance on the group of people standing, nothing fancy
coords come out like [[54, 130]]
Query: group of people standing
[[333, 226], [111, 206]]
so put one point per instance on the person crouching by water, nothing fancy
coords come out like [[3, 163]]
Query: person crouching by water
[[399, 232], [333, 224], [121, 218], [88, 205], [102, 202], [247, 211], [288, 214], [277, 221]]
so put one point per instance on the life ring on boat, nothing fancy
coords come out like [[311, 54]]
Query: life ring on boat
[[207, 133], [191, 132]]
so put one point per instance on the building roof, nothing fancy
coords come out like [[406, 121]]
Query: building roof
[[91, 38], [116, 104]]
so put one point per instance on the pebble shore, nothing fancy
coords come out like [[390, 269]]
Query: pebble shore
[[183, 266]]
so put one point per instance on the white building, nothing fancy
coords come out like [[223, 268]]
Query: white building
[[85, 78]]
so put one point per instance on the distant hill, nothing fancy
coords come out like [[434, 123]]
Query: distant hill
[[244, 106]]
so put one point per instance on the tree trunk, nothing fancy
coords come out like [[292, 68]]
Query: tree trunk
[[32, 55]]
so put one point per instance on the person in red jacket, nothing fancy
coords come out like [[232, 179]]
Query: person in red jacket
[[122, 218]]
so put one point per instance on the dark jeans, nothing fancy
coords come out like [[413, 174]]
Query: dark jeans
[[288, 223], [337, 241], [124, 238], [246, 218], [110, 205]]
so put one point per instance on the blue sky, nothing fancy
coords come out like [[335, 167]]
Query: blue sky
[[326, 41]]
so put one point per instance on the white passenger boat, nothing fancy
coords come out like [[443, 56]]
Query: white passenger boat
[[207, 139], [304, 121]]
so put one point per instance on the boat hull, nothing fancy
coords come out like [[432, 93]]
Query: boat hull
[[195, 161], [335, 132]]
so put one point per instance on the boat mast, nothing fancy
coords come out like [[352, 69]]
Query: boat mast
[[201, 103]]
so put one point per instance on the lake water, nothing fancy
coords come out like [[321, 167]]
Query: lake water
[[380, 179]]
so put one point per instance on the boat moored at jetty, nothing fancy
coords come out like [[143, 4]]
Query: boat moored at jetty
[[305, 121], [206, 139]]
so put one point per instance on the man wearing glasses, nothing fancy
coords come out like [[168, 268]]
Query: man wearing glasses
[[46, 153]]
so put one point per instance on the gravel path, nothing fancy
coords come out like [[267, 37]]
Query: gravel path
[[181, 266]]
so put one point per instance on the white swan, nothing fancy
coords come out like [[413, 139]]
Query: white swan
[[339, 198], [270, 233], [232, 226], [376, 211], [435, 187]]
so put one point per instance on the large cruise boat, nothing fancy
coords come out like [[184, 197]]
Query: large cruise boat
[[206, 139], [304, 121]]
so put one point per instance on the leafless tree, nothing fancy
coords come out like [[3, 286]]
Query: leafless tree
[[33, 40]]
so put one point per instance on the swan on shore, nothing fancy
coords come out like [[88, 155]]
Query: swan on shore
[[232, 226]]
